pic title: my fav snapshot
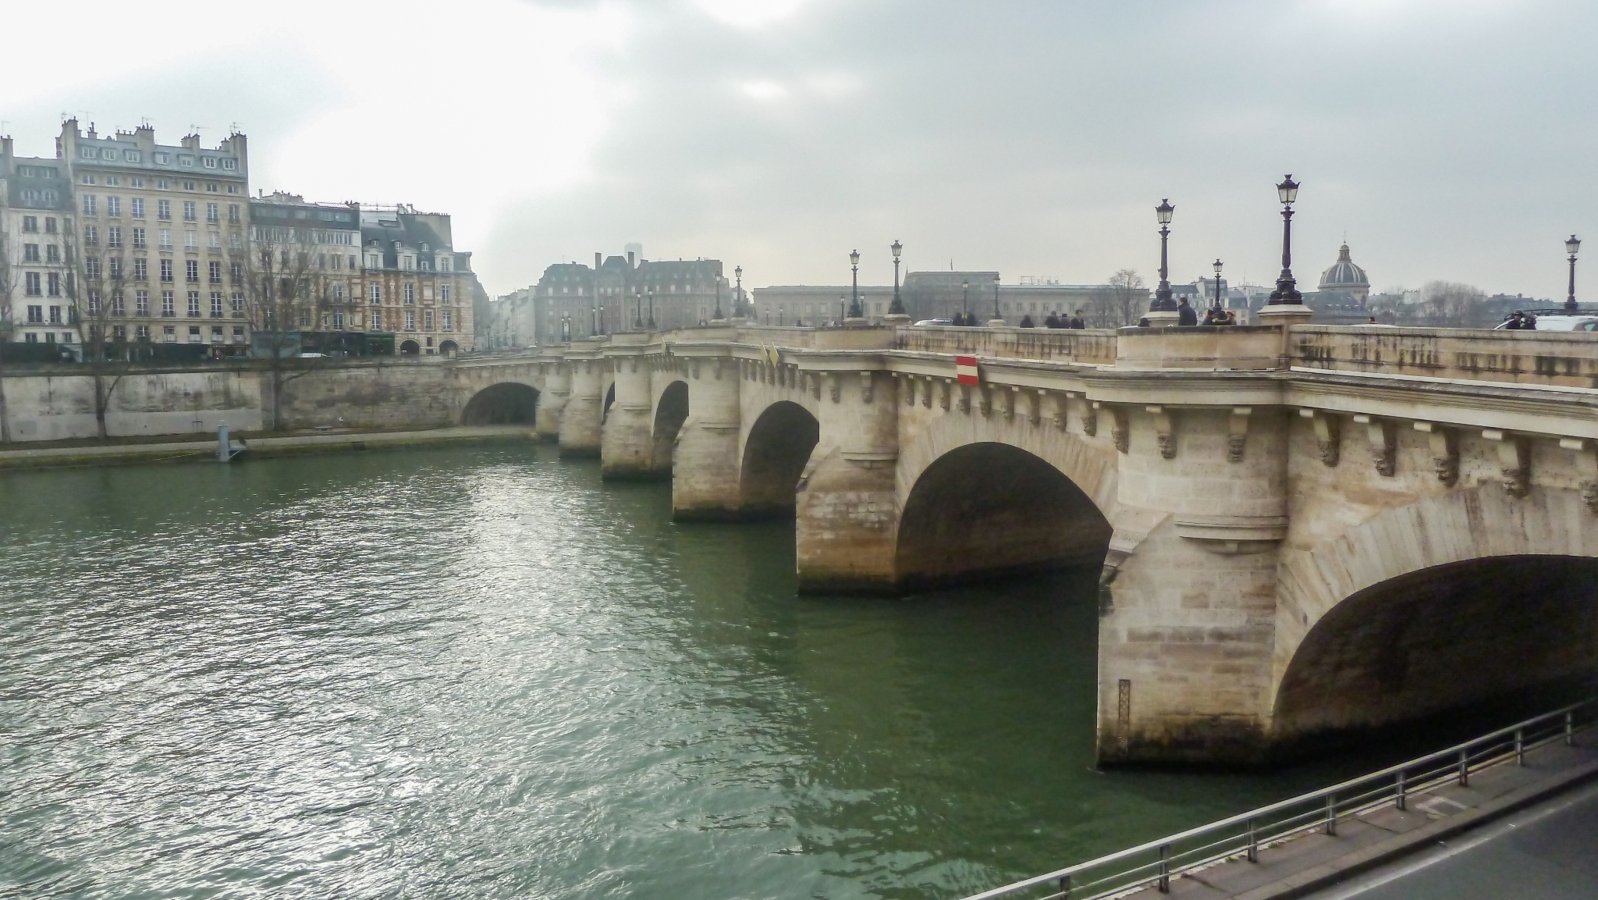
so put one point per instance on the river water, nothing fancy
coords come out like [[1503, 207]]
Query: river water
[[480, 672]]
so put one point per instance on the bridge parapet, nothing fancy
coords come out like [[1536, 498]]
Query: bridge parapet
[[1542, 358], [1083, 347]]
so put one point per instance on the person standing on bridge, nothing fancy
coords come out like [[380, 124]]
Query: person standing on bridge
[[1185, 314]]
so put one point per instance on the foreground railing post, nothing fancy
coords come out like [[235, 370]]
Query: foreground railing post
[[1520, 746], [1570, 728], [1464, 767], [1253, 842], [1403, 792], [1065, 887], [1331, 814], [1165, 868]]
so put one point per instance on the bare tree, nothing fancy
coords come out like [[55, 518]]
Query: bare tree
[[93, 286], [1453, 303], [287, 291], [1121, 301]]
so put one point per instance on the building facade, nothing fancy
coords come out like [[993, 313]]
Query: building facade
[[621, 293], [35, 220], [414, 283]]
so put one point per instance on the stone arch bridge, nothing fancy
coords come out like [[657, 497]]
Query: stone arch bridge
[[1302, 530]]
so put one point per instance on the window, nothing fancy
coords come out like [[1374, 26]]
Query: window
[[232, 212], [188, 210], [168, 307], [30, 286], [162, 183], [214, 269], [94, 303], [52, 253], [118, 306], [91, 267], [427, 320], [166, 270], [237, 302], [113, 236], [30, 224], [55, 315], [443, 263], [112, 181], [113, 206], [230, 165], [410, 293], [447, 325], [169, 334], [138, 237], [216, 304], [213, 213], [443, 293], [194, 334], [407, 263], [338, 321], [138, 207], [166, 239], [235, 272], [87, 153], [376, 316], [163, 209], [210, 163], [194, 304], [91, 235], [52, 283], [141, 269], [375, 292], [131, 155], [233, 189], [188, 185], [89, 205], [191, 240], [116, 268], [30, 253], [108, 153], [49, 224], [238, 334], [338, 293], [410, 320], [191, 270], [141, 302], [186, 162], [216, 334], [141, 332], [136, 181]]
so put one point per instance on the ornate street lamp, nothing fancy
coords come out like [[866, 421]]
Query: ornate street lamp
[[593, 322], [717, 313], [566, 328], [996, 314], [638, 309], [651, 309], [896, 308], [1218, 303], [1571, 246], [854, 294], [965, 296], [1286, 291], [1162, 295], [738, 293], [782, 313], [841, 301]]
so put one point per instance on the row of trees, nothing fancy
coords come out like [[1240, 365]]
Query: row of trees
[[276, 289]]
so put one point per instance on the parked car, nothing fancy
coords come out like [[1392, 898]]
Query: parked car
[[936, 322], [1558, 321]]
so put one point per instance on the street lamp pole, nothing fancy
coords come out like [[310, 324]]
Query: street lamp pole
[[717, 314], [897, 306], [651, 309], [1571, 246], [1162, 295], [1286, 290], [782, 313], [854, 293], [1217, 284], [638, 309], [738, 293], [996, 314], [593, 321], [965, 297], [841, 302]]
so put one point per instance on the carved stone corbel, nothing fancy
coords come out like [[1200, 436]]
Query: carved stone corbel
[[1586, 469], [1062, 410], [943, 394], [1237, 433], [1090, 420], [1008, 406], [1034, 412], [1444, 443], [965, 398], [984, 401], [693, 368], [1120, 435], [909, 382], [1327, 434], [834, 387], [867, 386], [1164, 430], [1383, 442], [1514, 461]]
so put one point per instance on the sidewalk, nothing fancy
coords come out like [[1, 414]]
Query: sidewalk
[[205, 450], [1314, 860]]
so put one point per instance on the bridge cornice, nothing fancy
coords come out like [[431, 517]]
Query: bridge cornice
[[1550, 411]]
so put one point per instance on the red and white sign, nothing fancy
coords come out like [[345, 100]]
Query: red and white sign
[[965, 370]]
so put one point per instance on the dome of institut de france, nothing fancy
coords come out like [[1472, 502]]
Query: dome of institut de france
[[1345, 276]]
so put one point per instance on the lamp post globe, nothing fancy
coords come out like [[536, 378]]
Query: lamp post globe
[[1571, 246], [1162, 294], [897, 307], [1218, 303], [854, 292], [1286, 289]]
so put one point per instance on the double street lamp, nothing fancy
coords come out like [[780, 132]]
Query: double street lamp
[[896, 308], [1571, 246], [1218, 284], [854, 296], [1162, 295], [1286, 290], [738, 293], [651, 309]]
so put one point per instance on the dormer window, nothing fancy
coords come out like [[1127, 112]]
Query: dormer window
[[161, 158]]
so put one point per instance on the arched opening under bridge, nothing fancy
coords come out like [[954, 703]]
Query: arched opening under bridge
[[506, 403], [775, 453], [670, 413], [990, 509]]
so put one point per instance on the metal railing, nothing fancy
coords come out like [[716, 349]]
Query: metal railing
[[1240, 837]]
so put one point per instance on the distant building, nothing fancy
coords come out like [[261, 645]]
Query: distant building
[[928, 295], [573, 300], [35, 220], [414, 283], [1346, 278], [319, 244]]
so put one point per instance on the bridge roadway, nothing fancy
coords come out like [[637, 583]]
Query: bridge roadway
[[1301, 529]]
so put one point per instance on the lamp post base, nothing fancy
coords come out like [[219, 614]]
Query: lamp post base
[[1162, 318]]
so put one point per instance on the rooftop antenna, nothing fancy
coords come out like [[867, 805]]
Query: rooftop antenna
[[195, 129]]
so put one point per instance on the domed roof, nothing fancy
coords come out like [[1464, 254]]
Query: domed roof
[[1343, 274]]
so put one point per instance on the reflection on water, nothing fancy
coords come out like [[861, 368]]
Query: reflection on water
[[479, 672]]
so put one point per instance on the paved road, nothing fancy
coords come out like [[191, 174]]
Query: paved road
[[1546, 852]]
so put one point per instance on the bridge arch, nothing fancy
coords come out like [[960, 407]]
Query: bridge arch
[[1456, 600], [671, 410], [774, 455], [505, 403]]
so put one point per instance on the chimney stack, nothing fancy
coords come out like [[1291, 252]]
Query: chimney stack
[[597, 260], [631, 262]]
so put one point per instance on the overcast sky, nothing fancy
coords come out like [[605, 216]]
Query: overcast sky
[[1446, 139]]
